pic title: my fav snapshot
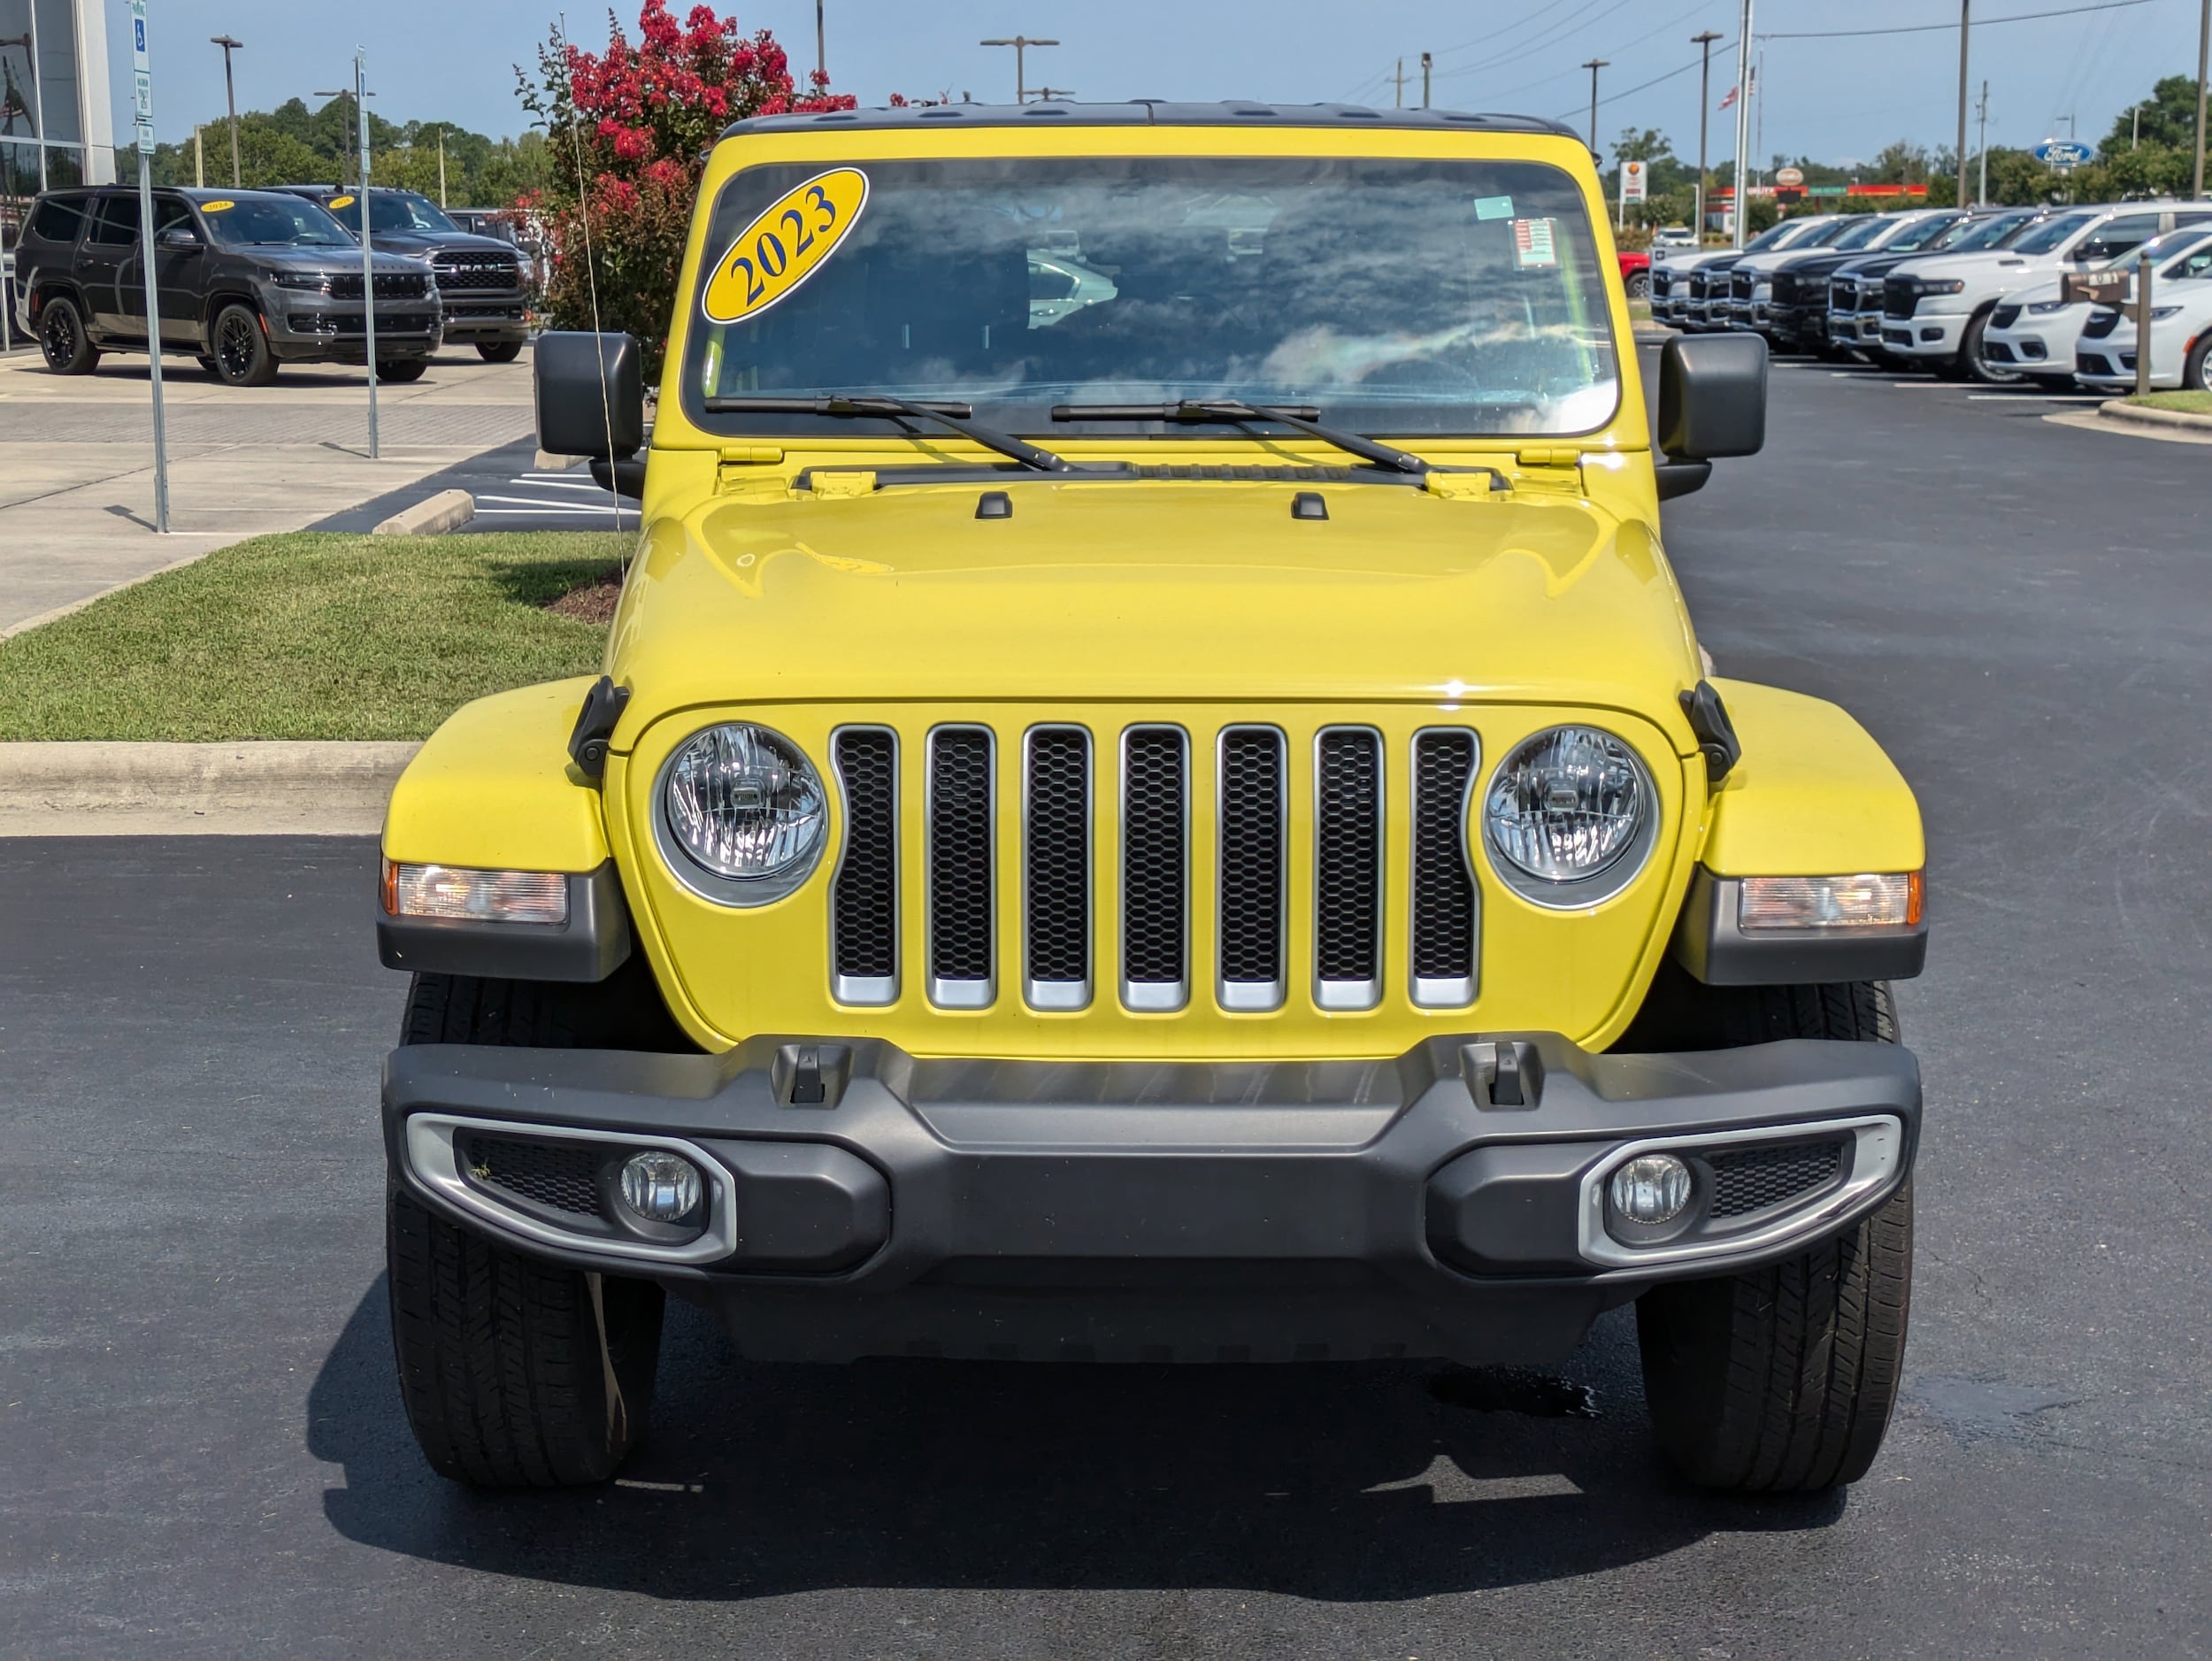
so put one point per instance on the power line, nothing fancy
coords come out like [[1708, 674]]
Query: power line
[[1946, 28], [1629, 91]]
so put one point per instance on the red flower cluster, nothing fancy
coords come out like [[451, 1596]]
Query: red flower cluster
[[636, 121]]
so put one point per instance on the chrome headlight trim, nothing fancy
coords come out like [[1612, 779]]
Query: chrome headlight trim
[[711, 884], [1608, 879]]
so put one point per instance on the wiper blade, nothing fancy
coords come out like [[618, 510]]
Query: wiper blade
[[954, 416], [1236, 412]]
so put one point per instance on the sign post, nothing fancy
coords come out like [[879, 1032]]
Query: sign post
[[142, 104], [2143, 327], [368, 256]]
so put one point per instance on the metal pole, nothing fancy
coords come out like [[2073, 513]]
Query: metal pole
[[1021, 75], [230, 91], [1965, 6], [7, 310], [821, 50], [368, 258], [2204, 51], [142, 78], [1426, 62], [199, 162], [1743, 127], [1401, 103], [1981, 190], [2142, 326], [1704, 106], [1593, 66], [441, 168]]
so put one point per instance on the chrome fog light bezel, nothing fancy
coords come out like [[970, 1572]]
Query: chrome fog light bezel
[[432, 1159], [1877, 1153]]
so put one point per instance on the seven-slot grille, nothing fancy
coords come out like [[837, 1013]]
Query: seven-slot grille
[[1068, 789]]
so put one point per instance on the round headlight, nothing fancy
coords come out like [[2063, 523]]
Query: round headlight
[[744, 806], [1568, 807]]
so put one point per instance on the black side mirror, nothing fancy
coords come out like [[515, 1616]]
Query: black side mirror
[[178, 239], [590, 394], [1712, 404]]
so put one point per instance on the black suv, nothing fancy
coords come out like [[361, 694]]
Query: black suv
[[248, 280], [480, 278]]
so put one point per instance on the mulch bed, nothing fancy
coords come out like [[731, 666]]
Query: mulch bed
[[594, 603]]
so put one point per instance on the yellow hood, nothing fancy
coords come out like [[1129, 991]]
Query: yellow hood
[[1167, 590]]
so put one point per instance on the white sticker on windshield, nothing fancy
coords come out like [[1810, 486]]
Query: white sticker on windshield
[[1532, 244], [1494, 207]]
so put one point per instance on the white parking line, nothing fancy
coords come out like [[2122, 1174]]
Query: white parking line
[[545, 512], [2035, 397], [552, 507]]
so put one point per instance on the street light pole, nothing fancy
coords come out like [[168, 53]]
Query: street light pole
[[1965, 8], [2204, 51], [821, 50], [1704, 42], [1020, 43], [1742, 215], [230, 91], [1981, 190], [1593, 66], [1426, 63], [368, 256]]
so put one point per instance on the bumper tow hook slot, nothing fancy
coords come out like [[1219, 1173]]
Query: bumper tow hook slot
[[1505, 1075]]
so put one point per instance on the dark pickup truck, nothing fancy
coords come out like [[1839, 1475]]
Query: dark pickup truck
[[247, 279], [480, 279]]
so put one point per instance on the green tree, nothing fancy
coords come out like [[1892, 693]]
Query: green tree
[[2168, 119]]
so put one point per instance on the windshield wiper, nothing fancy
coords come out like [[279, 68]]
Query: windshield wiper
[[950, 415], [1235, 411]]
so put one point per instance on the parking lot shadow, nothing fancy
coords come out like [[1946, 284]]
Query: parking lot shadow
[[1348, 1482]]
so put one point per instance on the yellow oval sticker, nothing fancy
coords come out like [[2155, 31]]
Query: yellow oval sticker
[[217, 207], [785, 245], [341, 202]]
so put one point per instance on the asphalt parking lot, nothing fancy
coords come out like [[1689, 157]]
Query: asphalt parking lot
[[201, 1451]]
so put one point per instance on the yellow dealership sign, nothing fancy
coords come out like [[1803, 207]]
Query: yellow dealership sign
[[785, 245]]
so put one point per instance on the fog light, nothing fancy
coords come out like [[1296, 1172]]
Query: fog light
[[1651, 1189], [661, 1187]]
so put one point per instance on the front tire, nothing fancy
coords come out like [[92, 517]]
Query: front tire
[[62, 337], [399, 370], [2196, 369], [515, 1372], [499, 351], [242, 354], [1782, 1379], [1976, 367]]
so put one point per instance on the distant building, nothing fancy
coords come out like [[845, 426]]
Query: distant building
[[55, 127]]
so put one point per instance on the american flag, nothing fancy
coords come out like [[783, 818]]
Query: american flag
[[1730, 100]]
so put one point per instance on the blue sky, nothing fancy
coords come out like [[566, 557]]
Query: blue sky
[[1833, 99]]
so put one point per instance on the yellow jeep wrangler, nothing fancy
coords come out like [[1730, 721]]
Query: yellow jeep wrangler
[[1153, 798]]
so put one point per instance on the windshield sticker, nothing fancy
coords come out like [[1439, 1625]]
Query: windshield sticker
[[785, 245], [1494, 207], [217, 207], [1532, 244], [342, 201]]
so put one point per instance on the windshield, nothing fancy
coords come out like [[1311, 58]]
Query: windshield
[[1982, 234], [1775, 235], [392, 210], [1919, 234], [1859, 234], [272, 221], [2046, 237], [1432, 296]]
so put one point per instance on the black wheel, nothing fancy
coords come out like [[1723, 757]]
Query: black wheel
[[242, 354], [209, 365], [61, 336], [401, 370], [515, 1372], [1974, 366], [1782, 1379], [2196, 369], [499, 351]]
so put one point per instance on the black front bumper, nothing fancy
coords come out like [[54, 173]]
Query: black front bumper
[[1161, 1210]]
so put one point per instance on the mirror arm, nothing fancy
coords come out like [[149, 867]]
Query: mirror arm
[[1681, 478], [625, 476]]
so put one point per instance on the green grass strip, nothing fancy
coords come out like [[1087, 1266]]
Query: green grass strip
[[310, 636], [2188, 403]]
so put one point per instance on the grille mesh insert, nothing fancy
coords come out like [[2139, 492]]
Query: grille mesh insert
[[1443, 889], [1347, 858], [960, 829], [1253, 803], [863, 898], [1752, 1178], [1057, 858], [1154, 854], [555, 1174]]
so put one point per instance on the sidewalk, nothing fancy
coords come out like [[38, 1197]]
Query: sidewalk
[[76, 462]]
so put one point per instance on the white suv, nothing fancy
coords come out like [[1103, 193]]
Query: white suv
[[2181, 331], [2035, 331], [1935, 311]]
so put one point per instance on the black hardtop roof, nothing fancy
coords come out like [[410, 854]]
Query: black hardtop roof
[[1145, 112]]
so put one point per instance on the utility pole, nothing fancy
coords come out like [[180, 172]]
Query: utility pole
[[1593, 66], [1743, 126], [1020, 43], [2204, 51], [441, 168], [1981, 193], [1426, 61], [1402, 83], [1965, 6], [821, 50], [1048, 94], [1704, 42], [230, 91], [199, 162]]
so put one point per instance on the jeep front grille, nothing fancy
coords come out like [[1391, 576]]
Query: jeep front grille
[[1070, 791]]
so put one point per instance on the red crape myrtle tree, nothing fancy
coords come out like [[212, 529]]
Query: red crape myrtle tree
[[628, 130]]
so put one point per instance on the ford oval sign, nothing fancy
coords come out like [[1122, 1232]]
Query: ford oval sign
[[2062, 152]]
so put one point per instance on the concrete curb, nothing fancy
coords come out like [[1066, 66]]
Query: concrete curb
[[2120, 410], [544, 461], [250, 788], [446, 510]]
